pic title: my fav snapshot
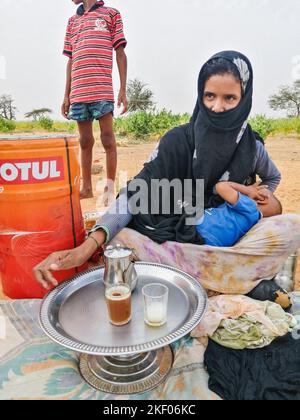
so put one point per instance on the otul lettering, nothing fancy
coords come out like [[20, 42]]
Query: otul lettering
[[38, 170]]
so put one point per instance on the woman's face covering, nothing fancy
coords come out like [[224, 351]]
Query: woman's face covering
[[222, 93]]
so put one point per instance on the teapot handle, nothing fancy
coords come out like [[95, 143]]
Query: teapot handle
[[130, 275]]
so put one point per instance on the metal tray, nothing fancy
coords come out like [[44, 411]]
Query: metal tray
[[75, 314]]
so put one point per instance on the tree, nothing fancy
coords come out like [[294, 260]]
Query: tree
[[139, 97], [7, 110], [37, 114], [288, 98]]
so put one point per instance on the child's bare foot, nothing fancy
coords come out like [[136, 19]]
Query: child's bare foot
[[86, 194]]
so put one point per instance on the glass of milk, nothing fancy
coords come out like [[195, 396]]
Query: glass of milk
[[155, 296]]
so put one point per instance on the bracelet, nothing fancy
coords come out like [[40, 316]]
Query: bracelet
[[98, 245]]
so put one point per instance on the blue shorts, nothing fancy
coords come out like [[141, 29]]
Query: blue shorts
[[82, 111]]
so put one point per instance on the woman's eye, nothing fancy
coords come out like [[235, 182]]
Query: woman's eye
[[230, 98], [209, 95]]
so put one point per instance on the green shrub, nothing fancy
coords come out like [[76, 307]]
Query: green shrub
[[72, 126], [120, 126], [266, 126], [141, 124], [7, 126], [285, 125], [46, 123], [27, 126], [262, 125], [67, 126]]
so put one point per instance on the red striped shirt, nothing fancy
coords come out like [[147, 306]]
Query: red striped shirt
[[90, 39]]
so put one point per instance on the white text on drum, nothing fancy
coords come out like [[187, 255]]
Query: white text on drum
[[24, 171]]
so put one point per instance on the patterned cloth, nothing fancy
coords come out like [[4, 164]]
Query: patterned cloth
[[34, 367], [238, 322], [259, 255]]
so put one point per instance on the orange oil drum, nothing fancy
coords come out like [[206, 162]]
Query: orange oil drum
[[39, 208]]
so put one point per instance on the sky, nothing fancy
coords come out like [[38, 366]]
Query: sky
[[168, 42]]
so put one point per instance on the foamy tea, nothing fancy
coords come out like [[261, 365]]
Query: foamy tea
[[118, 299]]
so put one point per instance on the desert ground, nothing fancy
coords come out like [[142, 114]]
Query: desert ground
[[284, 150]]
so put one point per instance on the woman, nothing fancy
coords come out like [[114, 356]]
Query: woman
[[217, 144]]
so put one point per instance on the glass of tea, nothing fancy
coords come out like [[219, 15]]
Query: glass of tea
[[155, 304], [118, 300]]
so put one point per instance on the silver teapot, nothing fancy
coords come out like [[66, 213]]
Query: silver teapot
[[119, 266]]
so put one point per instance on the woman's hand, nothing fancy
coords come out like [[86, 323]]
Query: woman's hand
[[61, 260], [64, 260], [259, 193], [264, 194]]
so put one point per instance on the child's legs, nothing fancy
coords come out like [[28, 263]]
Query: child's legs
[[86, 144], [109, 143]]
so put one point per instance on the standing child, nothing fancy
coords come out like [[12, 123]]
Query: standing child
[[91, 36]]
